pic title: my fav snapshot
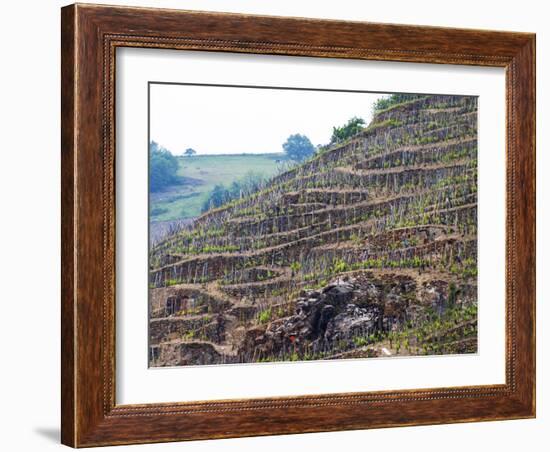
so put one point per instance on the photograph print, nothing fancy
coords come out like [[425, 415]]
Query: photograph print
[[291, 224]]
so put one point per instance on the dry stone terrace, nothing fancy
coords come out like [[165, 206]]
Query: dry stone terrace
[[368, 249]]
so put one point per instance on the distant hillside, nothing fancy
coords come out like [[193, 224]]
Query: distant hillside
[[198, 176], [368, 249]]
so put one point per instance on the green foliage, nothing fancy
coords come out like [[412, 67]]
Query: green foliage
[[189, 152], [298, 147], [360, 341], [240, 188], [265, 316], [339, 266], [393, 100], [432, 333], [295, 267], [163, 167], [188, 336], [388, 123], [213, 249], [457, 155], [467, 269], [351, 128], [219, 196]]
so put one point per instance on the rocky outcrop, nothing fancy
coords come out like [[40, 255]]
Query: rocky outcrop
[[344, 309]]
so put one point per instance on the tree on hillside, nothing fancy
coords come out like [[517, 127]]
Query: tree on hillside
[[352, 127], [163, 167], [298, 147], [189, 152]]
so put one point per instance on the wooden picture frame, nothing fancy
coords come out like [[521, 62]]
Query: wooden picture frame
[[90, 35]]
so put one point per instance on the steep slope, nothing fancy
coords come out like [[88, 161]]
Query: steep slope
[[368, 249]]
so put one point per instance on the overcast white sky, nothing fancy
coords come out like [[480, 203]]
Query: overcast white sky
[[226, 120]]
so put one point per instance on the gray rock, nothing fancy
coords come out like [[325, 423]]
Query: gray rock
[[339, 295], [352, 322]]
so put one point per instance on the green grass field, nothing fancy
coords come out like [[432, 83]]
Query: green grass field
[[199, 176]]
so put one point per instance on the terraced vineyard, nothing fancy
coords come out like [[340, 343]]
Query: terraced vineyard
[[367, 249]]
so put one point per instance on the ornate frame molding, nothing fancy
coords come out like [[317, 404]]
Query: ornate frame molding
[[90, 37]]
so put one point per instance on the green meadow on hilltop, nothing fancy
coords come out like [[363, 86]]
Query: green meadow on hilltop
[[199, 175]]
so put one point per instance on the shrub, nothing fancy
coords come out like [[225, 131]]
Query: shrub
[[163, 167], [351, 128], [251, 183], [295, 267], [265, 316], [339, 266]]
